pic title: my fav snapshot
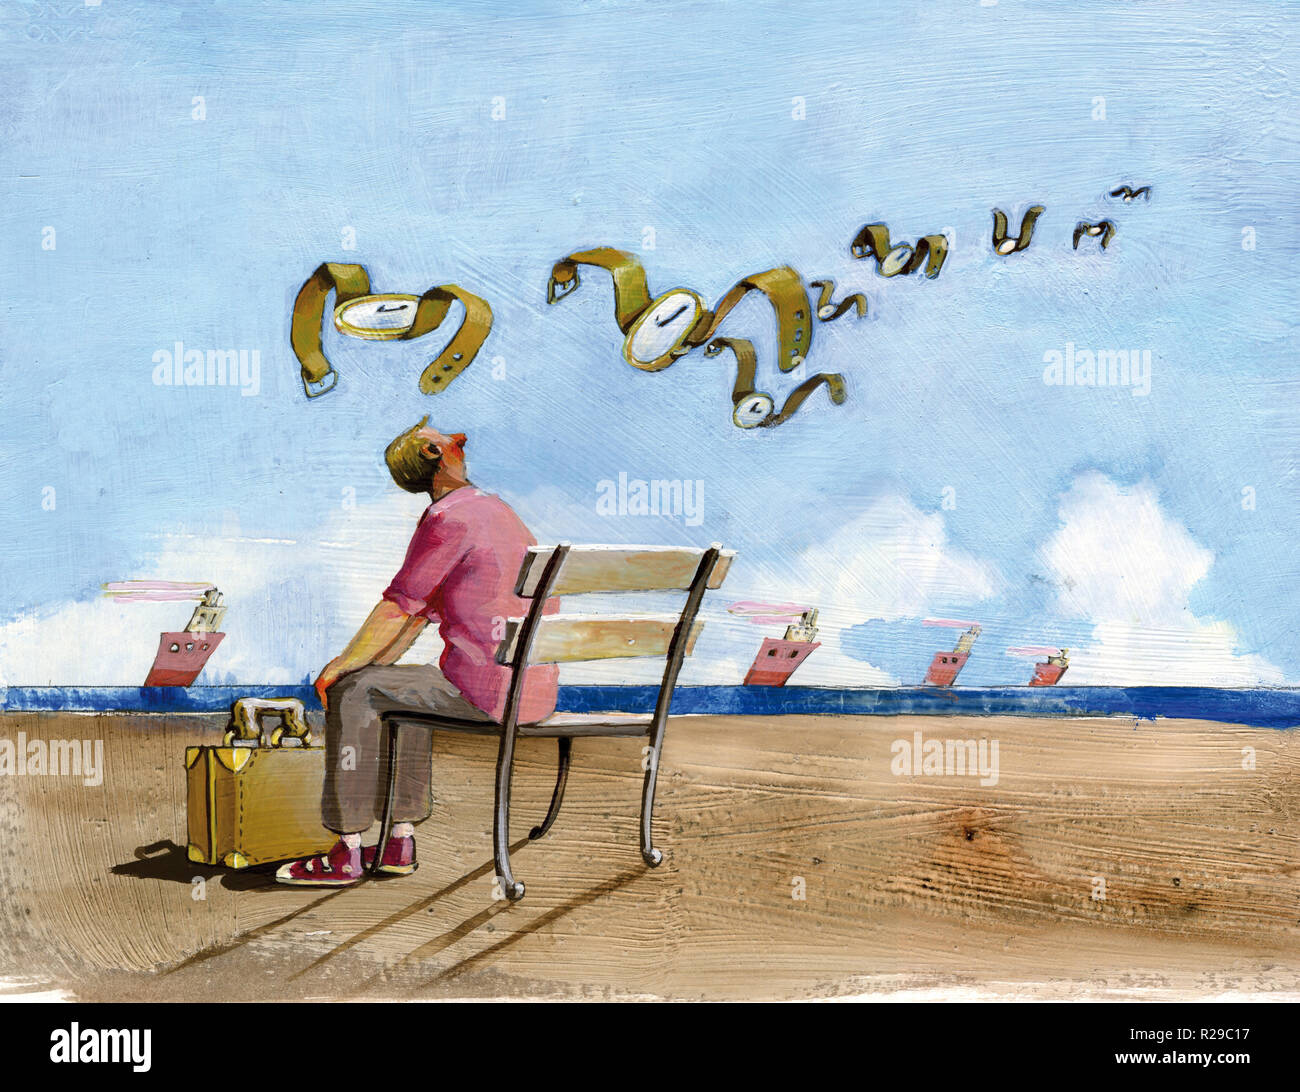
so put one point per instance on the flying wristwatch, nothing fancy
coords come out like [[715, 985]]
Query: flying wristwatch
[[754, 408], [385, 316], [659, 330]]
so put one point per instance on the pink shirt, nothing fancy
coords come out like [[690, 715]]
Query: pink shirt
[[460, 572]]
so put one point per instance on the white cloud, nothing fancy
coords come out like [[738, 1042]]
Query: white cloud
[[291, 605], [97, 643], [892, 562], [1118, 557], [1121, 563]]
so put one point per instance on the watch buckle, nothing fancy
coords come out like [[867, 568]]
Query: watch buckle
[[324, 385], [861, 246], [556, 290]]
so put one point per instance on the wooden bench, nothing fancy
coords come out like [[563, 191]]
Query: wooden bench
[[566, 570]]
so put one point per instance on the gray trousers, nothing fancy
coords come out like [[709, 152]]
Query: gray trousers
[[356, 755]]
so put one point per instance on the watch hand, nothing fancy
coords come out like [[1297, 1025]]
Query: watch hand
[[664, 322], [394, 307]]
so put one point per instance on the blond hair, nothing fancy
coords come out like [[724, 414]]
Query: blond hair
[[411, 466]]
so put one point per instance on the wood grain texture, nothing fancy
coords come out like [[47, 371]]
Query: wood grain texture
[[620, 568], [912, 883], [562, 639]]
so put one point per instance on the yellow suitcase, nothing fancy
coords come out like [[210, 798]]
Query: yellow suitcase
[[256, 798]]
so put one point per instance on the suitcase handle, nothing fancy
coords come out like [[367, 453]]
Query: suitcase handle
[[247, 714]]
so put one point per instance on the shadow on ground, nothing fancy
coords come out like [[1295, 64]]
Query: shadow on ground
[[170, 863]]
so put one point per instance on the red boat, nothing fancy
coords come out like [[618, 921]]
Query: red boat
[[946, 666], [778, 657], [183, 654], [1049, 671]]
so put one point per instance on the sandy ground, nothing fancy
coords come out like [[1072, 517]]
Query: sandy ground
[[914, 887]]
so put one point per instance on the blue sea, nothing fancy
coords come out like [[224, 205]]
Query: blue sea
[[1263, 708]]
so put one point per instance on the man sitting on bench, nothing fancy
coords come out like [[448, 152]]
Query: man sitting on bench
[[460, 571]]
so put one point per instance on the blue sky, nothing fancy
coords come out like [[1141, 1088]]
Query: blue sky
[[1091, 517]]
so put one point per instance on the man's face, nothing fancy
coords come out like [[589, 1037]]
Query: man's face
[[450, 447]]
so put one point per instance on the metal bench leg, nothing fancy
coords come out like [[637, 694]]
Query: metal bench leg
[[390, 793], [557, 797], [513, 889], [653, 857]]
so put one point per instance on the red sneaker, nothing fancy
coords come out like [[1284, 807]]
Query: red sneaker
[[338, 868], [398, 859]]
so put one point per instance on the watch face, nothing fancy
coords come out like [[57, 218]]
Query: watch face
[[752, 410], [656, 337], [376, 318], [895, 260]]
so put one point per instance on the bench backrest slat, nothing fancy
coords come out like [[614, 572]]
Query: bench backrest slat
[[572, 570], [619, 568], [576, 639]]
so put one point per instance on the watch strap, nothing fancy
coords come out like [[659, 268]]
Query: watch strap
[[347, 282], [631, 290], [464, 345], [746, 374], [931, 249], [746, 364], [1000, 225], [828, 310], [784, 289], [871, 241], [797, 397]]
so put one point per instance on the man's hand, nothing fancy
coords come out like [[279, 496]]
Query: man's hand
[[328, 676], [382, 638]]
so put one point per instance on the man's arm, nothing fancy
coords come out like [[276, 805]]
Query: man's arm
[[405, 639], [386, 626], [434, 551]]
